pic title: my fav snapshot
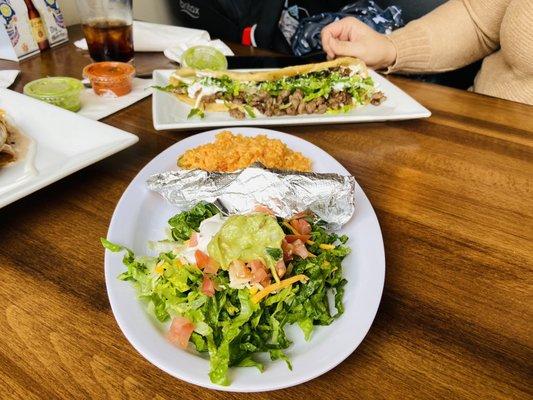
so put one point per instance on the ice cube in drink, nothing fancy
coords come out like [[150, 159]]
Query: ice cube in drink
[[109, 40]]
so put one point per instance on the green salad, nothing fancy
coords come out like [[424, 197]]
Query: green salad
[[228, 285]]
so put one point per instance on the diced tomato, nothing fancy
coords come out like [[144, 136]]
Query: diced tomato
[[211, 267], [255, 265], [287, 250], [302, 226], [300, 249], [265, 282], [281, 268], [293, 238], [240, 270], [202, 259], [208, 287], [180, 331], [305, 227], [263, 209], [259, 271], [193, 241], [301, 214]]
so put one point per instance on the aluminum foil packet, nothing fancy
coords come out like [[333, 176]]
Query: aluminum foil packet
[[330, 196]]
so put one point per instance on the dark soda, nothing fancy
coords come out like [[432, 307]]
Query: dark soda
[[109, 40]]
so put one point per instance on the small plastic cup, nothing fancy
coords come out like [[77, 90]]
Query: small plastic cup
[[60, 91], [110, 78], [204, 57]]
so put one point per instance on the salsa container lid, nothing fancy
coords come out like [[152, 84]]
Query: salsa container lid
[[109, 71], [53, 87], [61, 91]]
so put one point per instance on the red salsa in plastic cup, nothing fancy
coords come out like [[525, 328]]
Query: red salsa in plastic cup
[[110, 78]]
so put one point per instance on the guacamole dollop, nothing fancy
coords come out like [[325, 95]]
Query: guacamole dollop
[[246, 238]]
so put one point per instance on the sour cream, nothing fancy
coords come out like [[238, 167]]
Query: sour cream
[[208, 229], [205, 90], [356, 69], [340, 86]]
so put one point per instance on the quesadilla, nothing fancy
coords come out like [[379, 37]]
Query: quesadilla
[[327, 87], [12, 143]]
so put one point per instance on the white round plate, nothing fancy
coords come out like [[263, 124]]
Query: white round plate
[[141, 216]]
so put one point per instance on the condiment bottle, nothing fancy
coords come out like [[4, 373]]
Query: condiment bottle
[[37, 27]]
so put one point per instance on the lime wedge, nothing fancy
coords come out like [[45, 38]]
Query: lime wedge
[[204, 57]]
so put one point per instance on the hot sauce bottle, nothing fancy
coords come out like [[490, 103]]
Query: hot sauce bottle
[[37, 27]]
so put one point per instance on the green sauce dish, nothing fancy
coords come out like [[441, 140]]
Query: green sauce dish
[[60, 91]]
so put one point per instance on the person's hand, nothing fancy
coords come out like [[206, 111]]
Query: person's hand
[[351, 37]]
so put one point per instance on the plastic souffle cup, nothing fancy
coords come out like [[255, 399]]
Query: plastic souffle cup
[[110, 78], [60, 91]]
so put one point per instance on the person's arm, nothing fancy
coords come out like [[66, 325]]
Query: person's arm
[[453, 35]]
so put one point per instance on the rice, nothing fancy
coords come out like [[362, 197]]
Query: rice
[[231, 152]]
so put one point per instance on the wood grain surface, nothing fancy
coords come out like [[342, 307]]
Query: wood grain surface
[[453, 194]]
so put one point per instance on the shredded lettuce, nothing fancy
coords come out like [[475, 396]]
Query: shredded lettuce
[[312, 85], [229, 326], [183, 224], [115, 248], [195, 112], [340, 110], [220, 357], [250, 362], [274, 253], [306, 325], [249, 110], [170, 88], [277, 354]]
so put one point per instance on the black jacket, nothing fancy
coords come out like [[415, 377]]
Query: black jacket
[[227, 19]]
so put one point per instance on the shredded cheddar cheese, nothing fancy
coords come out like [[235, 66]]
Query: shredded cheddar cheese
[[326, 246], [277, 286], [290, 227], [159, 269]]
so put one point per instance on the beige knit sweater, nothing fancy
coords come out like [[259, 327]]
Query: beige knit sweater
[[462, 31]]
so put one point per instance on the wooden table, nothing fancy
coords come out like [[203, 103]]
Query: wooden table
[[453, 197]]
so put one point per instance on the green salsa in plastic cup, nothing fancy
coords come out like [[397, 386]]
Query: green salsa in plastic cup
[[60, 91], [204, 57]]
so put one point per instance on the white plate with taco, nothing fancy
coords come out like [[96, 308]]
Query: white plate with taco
[[338, 91], [41, 143]]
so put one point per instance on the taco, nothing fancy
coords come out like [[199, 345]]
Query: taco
[[13, 144], [327, 87]]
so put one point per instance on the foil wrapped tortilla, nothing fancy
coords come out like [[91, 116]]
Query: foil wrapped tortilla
[[329, 196]]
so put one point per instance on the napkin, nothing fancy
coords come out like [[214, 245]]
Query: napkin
[[97, 107], [7, 77], [174, 53], [157, 37], [7, 52]]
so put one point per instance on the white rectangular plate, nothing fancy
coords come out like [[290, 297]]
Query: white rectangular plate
[[169, 113], [62, 143]]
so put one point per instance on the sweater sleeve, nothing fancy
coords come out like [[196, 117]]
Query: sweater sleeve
[[453, 35]]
